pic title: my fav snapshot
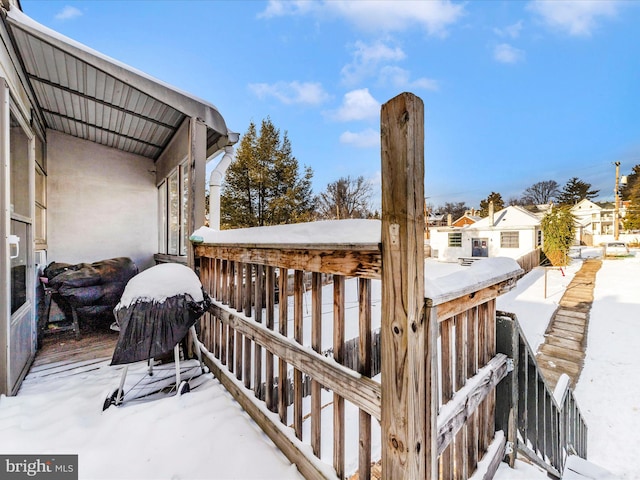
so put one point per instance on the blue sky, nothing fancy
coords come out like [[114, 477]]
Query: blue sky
[[515, 92]]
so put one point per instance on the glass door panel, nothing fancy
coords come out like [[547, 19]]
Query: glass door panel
[[21, 341], [20, 170]]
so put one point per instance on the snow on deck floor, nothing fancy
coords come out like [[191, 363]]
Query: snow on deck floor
[[200, 435]]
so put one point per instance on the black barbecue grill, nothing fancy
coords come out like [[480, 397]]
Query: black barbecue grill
[[158, 310]]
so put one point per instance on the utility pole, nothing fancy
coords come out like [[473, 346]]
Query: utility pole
[[616, 211]]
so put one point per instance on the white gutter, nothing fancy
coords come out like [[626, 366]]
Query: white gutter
[[215, 181]]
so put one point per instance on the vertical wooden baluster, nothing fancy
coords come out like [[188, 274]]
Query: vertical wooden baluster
[[316, 344], [239, 291], [248, 303], [364, 367], [338, 356], [298, 292], [270, 313], [283, 383], [257, 364]]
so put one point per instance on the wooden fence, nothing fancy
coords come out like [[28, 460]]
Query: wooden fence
[[543, 425], [530, 261]]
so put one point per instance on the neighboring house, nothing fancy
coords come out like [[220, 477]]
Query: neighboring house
[[436, 219], [466, 219], [596, 219], [511, 232], [98, 160]]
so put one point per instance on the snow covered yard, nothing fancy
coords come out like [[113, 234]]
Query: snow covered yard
[[609, 388], [607, 392]]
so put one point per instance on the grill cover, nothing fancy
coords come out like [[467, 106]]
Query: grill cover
[[150, 329], [156, 311]]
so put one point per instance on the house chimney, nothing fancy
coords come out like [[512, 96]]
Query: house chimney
[[449, 221], [491, 212]]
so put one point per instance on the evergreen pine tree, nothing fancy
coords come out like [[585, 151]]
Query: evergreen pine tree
[[576, 190], [558, 230], [498, 204], [632, 180], [632, 217], [263, 185]]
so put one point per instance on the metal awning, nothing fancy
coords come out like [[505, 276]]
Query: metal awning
[[91, 96]]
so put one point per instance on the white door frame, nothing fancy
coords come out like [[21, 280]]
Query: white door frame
[[22, 322]]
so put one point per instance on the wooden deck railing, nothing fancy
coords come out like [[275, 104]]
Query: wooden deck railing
[[544, 425], [468, 372], [258, 348], [269, 341], [432, 413]]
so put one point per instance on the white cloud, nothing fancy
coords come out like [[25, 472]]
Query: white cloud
[[573, 17], [435, 16], [280, 8], [306, 93], [358, 105], [68, 12], [505, 53], [367, 57], [512, 31], [400, 78], [365, 139]]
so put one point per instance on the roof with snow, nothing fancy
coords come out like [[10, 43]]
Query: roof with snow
[[511, 217], [585, 205]]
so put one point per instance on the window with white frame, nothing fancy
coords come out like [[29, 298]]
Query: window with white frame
[[455, 239], [173, 194], [509, 239], [40, 196]]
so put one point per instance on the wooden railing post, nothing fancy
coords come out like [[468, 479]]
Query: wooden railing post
[[408, 409]]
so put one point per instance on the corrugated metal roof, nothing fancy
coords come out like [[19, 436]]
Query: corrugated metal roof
[[88, 95]]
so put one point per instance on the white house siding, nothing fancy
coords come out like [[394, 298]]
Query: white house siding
[[102, 203], [439, 242], [510, 219], [175, 153]]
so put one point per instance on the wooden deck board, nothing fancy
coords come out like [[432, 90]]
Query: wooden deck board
[[573, 320], [562, 353], [561, 333], [563, 342], [95, 342]]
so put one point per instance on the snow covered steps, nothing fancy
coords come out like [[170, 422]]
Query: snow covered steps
[[563, 350]]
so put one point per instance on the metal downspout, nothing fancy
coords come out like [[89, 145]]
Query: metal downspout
[[215, 181]]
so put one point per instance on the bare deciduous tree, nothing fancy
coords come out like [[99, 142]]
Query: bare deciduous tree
[[345, 198], [541, 192]]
